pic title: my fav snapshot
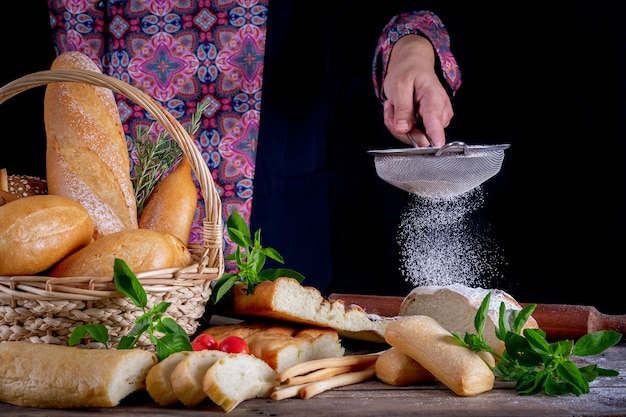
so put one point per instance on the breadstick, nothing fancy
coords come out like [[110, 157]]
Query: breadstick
[[318, 375], [286, 391], [427, 342], [348, 378], [309, 366]]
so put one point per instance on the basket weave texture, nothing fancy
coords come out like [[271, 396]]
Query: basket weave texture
[[43, 309]]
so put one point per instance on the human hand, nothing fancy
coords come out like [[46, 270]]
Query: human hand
[[414, 93]]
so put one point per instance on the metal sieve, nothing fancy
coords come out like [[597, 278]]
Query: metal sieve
[[439, 172]]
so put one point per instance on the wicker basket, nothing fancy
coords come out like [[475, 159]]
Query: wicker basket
[[45, 309]]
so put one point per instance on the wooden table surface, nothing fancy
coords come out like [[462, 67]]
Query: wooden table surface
[[376, 399]]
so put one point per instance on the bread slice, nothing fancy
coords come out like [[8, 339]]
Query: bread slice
[[186, 378], [58, 376], [455, 306], [158, 380], [286, 299], [238, 377]]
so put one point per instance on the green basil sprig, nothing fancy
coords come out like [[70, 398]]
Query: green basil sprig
[[250, 257], [536, 365], [173, 339]]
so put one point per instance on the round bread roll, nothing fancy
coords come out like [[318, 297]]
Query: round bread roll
[[38, 231], [141, 249]]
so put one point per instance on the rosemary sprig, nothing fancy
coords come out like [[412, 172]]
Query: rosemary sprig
[[156, 157]]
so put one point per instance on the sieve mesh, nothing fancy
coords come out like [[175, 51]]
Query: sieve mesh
[[432, 173]]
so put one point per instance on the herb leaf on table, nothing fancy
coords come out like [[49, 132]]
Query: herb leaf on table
[[536, 365]]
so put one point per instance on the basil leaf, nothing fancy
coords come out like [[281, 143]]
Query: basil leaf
[[98, 332], [127, 283]]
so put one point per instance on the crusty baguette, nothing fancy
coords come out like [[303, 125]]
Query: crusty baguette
[[394, 367], [187, 376], [282, 345], [141, 249], [159, 382], [287, 300], [87, 156], [172, 204], [38, 231], [455, 306], [238, 377], [59, 376], [433, 347]]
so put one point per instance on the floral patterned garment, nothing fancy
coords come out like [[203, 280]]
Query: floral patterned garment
[[187, 52]]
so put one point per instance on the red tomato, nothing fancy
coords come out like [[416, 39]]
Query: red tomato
[[234, 344], [197, 346], [207, 341]]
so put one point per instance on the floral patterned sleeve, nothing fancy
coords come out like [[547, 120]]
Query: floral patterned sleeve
[[423, 23]]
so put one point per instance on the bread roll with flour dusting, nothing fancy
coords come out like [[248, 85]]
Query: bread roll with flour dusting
[[455, 306], [87, 157]]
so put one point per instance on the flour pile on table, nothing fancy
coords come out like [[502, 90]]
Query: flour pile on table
[[443, 242]]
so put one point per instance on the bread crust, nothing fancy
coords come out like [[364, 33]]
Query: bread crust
[[141, 249], [455, 306], [396, 368], [38, 231], [87, 156], [433, 347], [58, 376], [172, 204], [282, 345], [286, 299]]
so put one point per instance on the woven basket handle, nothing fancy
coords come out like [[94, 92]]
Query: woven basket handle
[[212, 223]]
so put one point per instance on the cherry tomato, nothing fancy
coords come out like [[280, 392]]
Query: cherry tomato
[[234, 344], [197, 346], [205, 341]]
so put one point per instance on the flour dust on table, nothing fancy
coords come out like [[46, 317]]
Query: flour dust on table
[[444, 241]]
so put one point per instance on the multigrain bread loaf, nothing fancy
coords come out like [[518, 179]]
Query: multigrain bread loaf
[[283, 345], [141, 249], [455, 306], [58, 376], [87, 156], [238, 377], [434, 348], [286, 299], [38, 231], [172, 204]]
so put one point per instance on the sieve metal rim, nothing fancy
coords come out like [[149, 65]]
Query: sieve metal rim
[[454, 148]]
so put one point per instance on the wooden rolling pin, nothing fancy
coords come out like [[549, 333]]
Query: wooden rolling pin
[[559, 321]]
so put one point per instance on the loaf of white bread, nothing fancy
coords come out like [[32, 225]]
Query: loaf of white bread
[[38, 231], [141, 249], [286, 299], [455, 306], [282, 345], [59, 376], [87, 155]]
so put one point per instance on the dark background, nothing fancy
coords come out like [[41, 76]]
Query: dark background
[[546, 77]]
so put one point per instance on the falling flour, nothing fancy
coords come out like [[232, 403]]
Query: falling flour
[[443, 242]]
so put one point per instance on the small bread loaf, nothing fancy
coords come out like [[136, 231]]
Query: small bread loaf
[[141, 249], [394, 367], [433, 347], [282, 345], [287, 300], [38, 231], [158, 380], [172, 204], [186, 378], [238, 377], [455, 306], [87, 156], [58, 376]]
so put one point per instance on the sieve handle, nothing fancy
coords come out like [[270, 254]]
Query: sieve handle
[[446, 148]]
